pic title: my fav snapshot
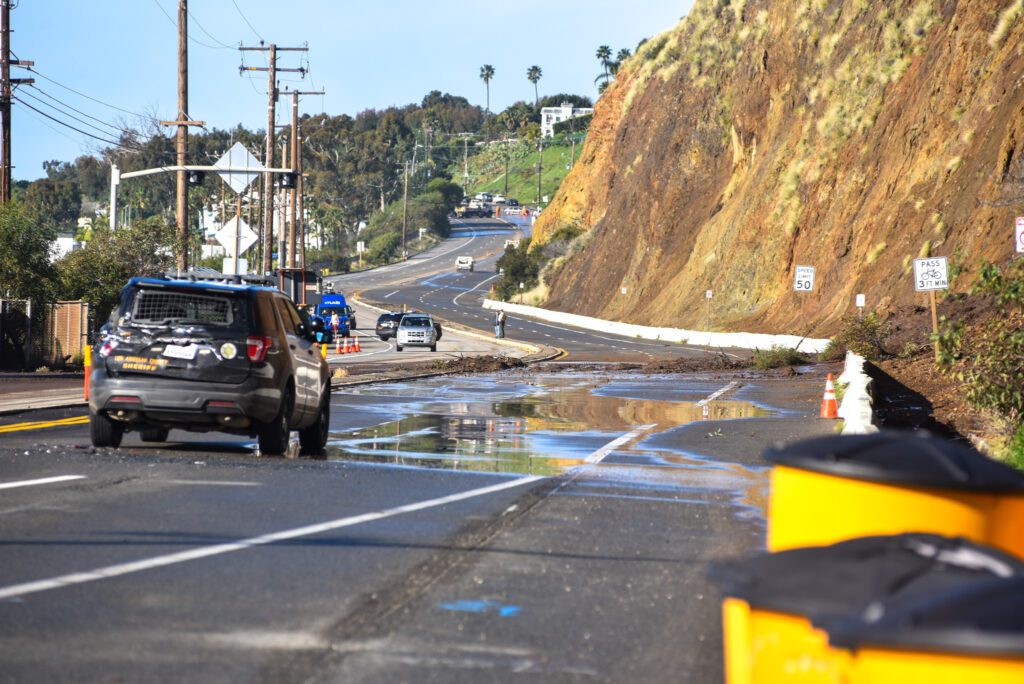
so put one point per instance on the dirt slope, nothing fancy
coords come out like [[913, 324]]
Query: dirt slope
[[756, 135]]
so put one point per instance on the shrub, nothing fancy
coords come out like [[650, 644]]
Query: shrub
[[776, 357], [988, 356], [864, 336], [833, 351]]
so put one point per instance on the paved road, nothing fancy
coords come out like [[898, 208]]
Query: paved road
[[200, 561], [429, 282], [546, 523]]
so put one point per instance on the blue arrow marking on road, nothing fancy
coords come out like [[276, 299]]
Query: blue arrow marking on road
[[469, 606]]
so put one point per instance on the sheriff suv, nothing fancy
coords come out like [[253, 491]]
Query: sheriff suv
[[199, 355]]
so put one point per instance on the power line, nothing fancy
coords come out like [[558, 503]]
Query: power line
[[79, 130], [224, 46], [116, 129], [247, 21], [80, 94], [174, 23]]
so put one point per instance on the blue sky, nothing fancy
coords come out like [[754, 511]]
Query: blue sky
[[364, 54]]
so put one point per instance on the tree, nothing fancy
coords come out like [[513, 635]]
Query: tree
[[25, 268], [56, 203], [487, 73], [533, 75], [451, 192], [98, 271], [604, 55], [620, 57]]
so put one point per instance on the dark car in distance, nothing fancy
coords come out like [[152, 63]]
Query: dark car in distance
[[209, 355], [387, 324]]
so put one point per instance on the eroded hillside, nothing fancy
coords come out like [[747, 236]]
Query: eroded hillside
[[851, 135]]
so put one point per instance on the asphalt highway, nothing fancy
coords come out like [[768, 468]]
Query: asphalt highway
[[430, 282], [551, 522]]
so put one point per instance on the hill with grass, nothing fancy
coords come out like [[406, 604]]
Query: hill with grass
[[759, 135]]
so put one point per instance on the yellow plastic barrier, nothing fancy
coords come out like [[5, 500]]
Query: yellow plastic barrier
[[972, 633], [778, 607], [87, 363], [829, 489]]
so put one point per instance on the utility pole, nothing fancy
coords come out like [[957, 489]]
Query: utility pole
[[405, 208], [296, 165], [465, 164], [6, 93], [540, 167], [268, 181], [182, 122], [506, 167]]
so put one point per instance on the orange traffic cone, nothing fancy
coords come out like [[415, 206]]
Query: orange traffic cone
[[828, 402], [337, 344], [355, 345]]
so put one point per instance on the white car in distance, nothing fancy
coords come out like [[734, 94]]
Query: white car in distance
[[416, 330]]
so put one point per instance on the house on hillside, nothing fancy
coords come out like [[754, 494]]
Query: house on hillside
[[549, 116]]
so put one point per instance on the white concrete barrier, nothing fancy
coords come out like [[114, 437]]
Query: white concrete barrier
[[697, 338], [856, 410]]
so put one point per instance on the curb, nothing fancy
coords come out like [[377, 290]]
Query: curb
[[698, 338]]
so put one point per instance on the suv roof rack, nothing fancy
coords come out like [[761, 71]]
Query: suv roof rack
[[204, 274]]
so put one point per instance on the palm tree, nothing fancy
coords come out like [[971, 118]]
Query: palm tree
[[604, 55], [620, 57], [487, 73], [533, 75]]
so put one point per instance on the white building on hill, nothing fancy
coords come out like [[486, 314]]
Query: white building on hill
[[549, 116]]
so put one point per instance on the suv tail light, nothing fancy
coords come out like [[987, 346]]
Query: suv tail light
[[256, 348]]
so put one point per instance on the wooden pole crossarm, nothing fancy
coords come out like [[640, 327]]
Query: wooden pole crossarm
[[184, 122]]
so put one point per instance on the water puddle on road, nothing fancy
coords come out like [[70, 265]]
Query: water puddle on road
[[549, 424]]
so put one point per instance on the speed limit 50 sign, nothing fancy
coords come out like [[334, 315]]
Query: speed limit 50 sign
[[803, 281]]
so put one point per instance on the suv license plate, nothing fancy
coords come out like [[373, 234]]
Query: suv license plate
[[176, 352]]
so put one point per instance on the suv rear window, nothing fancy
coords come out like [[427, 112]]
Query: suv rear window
[[415, 322], [168, 307]]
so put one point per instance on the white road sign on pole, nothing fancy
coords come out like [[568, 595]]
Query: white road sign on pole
[[238, 157], [860, 300], [360, 247], [803, 280], [236, 236], [1018, 234], [931, 274]]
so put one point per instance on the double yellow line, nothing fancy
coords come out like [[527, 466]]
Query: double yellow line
[[40, 424]]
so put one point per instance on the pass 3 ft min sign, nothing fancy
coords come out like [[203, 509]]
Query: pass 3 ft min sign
[[930, 274]]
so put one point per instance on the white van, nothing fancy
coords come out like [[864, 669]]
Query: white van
[[464, 263]]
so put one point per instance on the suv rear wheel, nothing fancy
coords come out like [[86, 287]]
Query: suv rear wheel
[[273, 436], [104, 432], [313, 439]]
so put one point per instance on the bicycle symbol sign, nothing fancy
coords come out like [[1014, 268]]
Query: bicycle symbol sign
[[931, 274], [1019, 234]]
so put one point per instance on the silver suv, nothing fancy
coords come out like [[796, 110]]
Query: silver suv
[[416, 330]]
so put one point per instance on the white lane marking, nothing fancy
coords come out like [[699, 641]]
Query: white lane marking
[[456, 300], [718, 393], [391, 293], [262, 540], [211, 483], [40, 481], [611, 446]]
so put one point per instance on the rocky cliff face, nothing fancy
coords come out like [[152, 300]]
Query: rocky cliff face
[[758, 135]]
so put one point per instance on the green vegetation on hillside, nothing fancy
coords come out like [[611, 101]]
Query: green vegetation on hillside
[[487, 168]]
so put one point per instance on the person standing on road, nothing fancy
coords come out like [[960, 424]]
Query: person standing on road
[[335, 322], [499, 323]]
